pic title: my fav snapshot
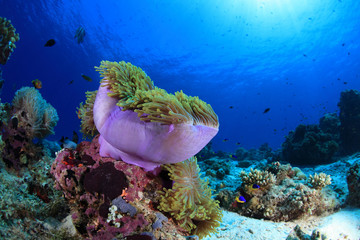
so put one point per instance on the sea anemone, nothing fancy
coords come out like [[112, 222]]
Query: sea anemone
[[144, 125], [34, 114], [189, 200]]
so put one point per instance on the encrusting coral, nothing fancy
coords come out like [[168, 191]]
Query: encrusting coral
[[189, 199], [8, 37], [142, 124]]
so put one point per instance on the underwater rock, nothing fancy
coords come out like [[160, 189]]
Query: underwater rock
[[89, 183], [309, 145], [298, 234], [350, 121], [353, 181]]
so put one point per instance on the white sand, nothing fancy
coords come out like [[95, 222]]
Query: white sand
[[344, 224]]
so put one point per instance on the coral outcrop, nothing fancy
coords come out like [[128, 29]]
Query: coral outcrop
[[8, 37], [350, 121], [353, 181], [309, 145], [113, 199], [142, 124], [280, 193]]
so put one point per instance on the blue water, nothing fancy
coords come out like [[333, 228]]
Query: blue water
[[292, 56]]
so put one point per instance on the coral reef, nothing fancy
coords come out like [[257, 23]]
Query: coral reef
[[350, 121], [279, 193], [309, 145], [8, 37], [109, 198], [189, 199], [353, 181], [142, 124], [28, 200], [215, 167]]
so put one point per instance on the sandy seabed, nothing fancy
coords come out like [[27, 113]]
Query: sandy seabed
[[344, 224]]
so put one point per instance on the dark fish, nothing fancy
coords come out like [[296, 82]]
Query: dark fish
[[266, 110], [343, 44], [89, 79], [231, 107], [50, 43], [348, 53], [238, 143], [71, 82], [255, 186], [75, 137], [225, 140], [345, 83], [80, 34], [304, 55]]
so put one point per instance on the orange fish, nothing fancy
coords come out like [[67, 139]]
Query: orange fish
[[37, 83]]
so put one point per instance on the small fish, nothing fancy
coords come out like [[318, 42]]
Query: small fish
[[231, 107], [37, 83], [67, 143], [266, 110], [75, 137], [80, 34], [89, 79], [343, 44], [304, 55], [225, 140], [255, 186], [238, 143], [232, 156], [345, 83], [240, 199], [50, 43], [71, 82]]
